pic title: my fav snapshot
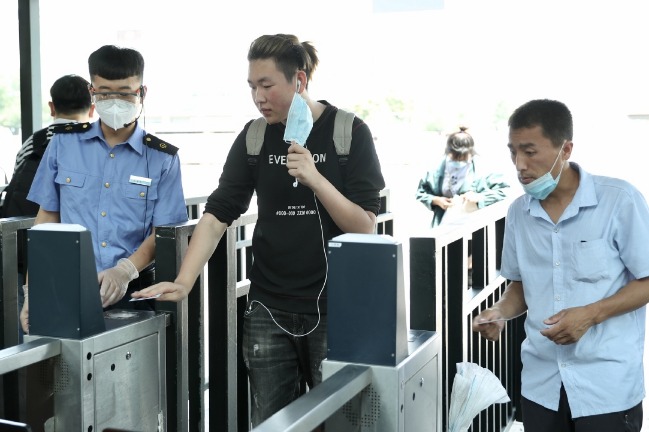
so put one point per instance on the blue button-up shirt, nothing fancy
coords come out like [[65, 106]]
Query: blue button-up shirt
[[91, 184], [598, 245]]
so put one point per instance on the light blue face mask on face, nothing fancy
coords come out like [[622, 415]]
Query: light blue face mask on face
[[457, 165], [299, 121], [544, 185]]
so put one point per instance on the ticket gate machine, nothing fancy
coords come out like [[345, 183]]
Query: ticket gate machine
[[111, 370], [112, 380], [367, 326]]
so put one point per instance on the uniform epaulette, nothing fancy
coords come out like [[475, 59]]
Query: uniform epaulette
[[156, 143], [71, 128]]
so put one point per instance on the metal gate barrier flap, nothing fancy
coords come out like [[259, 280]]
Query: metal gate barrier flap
[[401, 398]]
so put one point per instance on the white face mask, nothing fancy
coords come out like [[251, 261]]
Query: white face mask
[[116, 113], [457, 165]]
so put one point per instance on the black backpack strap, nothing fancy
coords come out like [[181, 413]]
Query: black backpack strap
[[342, 137], [343, 131], [255, 136], [254, 143]]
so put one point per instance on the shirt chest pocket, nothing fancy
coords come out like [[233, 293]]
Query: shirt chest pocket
[[69, 178], [590, 263], [139, 192]]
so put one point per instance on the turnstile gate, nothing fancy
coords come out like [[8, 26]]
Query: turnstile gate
[[112, 380]]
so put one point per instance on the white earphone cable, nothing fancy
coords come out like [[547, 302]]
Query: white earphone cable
[[324, 283]]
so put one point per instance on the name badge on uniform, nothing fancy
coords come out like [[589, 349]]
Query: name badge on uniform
[[140, 180]]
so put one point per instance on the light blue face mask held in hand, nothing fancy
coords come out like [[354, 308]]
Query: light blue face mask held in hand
[[299, 121]]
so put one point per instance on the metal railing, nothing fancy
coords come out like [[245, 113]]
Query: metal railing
[[203, 338], [217, 302], [442, 300]]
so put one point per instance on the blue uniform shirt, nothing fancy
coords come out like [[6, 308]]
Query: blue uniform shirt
[[598, 245], [92, 185]]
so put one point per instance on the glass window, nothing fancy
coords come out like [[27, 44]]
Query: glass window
[[9, 89]]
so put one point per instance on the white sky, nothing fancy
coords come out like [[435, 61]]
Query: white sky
[[457, 65]]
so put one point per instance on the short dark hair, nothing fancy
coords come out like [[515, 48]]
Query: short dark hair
[[460, 143], [552, 116], [70, 95], [113, 63], [289, 54]]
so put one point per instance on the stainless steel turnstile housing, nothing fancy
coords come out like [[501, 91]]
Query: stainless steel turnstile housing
[[113, 380], [401, 398]]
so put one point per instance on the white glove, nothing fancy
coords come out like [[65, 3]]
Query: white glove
[[24, 312], [114, 281]]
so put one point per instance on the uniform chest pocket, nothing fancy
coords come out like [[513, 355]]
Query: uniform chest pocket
[[139, 192], [69, 178], [590, 260]]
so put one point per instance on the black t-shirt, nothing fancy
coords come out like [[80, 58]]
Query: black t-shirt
[[289, 246]]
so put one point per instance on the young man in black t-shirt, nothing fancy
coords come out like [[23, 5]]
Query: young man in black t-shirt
[[284, 336]]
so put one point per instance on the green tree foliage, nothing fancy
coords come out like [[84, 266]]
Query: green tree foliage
[[392, 107], [10, 104]]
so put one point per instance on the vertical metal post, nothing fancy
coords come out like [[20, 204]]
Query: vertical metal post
[[452, 317], [12, 401], [218, 310], [228, 379], [9, 284], [479, 245], [171, 245], [423, 274], [385, 222]]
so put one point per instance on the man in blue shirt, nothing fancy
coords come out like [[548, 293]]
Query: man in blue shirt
[[112, 178], [575, 253]]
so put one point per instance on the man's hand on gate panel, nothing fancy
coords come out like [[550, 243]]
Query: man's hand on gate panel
[[167, 291]]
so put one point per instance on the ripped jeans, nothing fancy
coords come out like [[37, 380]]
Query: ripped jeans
[[279, 364]]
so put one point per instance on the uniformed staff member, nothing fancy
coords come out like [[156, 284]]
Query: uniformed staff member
[[113, 178]]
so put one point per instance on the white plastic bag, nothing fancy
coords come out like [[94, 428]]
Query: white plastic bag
[[474, 389]]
